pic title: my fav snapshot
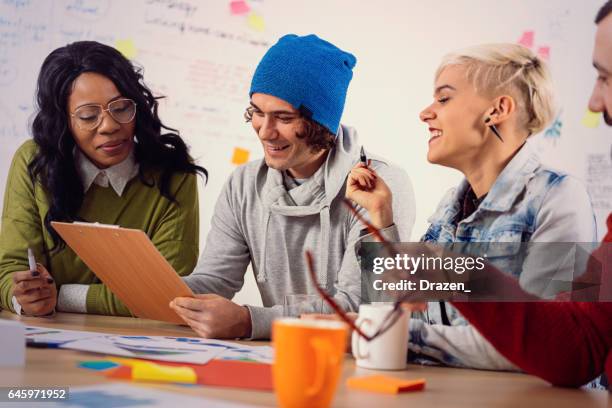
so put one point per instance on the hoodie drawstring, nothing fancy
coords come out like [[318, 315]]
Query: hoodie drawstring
[[324, 246], [261, 273]]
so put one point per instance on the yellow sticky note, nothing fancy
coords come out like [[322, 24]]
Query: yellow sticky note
[[240, 156], [256, 22], [126, 47], [146, 371], [591, 119]]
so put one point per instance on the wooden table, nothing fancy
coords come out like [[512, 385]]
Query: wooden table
[[446, 387]]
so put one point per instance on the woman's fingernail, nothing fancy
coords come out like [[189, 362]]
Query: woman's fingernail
[[35, 273], [49, 280]]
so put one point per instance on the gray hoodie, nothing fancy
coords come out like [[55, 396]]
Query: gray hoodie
[[258, 220]]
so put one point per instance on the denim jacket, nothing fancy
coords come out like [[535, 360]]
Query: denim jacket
[[527, 202]]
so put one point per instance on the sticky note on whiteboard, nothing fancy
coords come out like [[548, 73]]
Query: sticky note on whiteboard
[[239, 7], [126, 47], [544, 52], [591, 119], [256, 22], [240, 156], [527, 39]]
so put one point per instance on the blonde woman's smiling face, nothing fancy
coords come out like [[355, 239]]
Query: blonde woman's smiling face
[[455, 118]]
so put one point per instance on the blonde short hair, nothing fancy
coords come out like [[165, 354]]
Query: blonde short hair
[[494, 69]]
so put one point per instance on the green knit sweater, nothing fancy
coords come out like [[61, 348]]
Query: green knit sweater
[[173, 228]]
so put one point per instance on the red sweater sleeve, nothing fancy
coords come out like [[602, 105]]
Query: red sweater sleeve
[[565, 343]]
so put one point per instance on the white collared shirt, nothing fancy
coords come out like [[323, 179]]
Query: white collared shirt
[[116, 176]]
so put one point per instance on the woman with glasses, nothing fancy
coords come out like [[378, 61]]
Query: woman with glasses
[[99, 153], [487, 101]]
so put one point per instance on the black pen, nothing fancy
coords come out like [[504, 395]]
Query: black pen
[[494, 129], [38, 344], [363, 157]]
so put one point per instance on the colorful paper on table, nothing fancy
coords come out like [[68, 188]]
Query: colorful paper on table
[[231, 350], [258, 354], [129, 362], [591, 119], [527, 39], [544, 52], [256, 22], [126, 395], [37, 330], [221, 373], [240, 156], [144, 347], [146, 371], [142, 370], [236, 374], [99, 365], [385, 384], [126, 47], [239, 7], [52, 336]]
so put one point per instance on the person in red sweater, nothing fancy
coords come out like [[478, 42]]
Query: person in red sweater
[[565, 343]]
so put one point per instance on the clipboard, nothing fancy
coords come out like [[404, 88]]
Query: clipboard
[[130, 265]]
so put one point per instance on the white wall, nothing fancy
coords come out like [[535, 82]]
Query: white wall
[[201, 57]]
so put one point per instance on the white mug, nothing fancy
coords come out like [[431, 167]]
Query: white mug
[[386, 352]]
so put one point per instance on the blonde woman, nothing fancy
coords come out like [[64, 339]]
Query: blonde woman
[[488, 101]]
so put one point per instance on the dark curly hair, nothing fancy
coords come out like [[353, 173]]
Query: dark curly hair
[[158, 147], [317, 136]]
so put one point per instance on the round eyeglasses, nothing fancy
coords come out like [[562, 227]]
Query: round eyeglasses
[[89, 117]]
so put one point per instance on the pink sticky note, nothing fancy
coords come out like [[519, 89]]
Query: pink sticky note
[[527, 39], [544, 52], [239, 7]]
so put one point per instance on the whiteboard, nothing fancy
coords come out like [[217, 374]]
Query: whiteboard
[[201, 55]]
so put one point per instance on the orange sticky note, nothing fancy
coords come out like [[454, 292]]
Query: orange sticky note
[[591, 119], [239, 7], [527, 39], [256, 22], [385, 384], [240, 156], [544, 52]]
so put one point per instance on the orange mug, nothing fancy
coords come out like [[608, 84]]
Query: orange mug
[[308, 356]]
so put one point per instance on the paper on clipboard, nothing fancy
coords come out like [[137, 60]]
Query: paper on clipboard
[[129, 264]]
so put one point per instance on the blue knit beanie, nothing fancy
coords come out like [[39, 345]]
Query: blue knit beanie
[[309, 73]]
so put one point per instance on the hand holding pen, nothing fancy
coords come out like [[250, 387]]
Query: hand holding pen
[[34, 289], [368, 190]]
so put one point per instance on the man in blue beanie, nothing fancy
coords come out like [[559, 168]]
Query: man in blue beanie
[[270, 211]]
